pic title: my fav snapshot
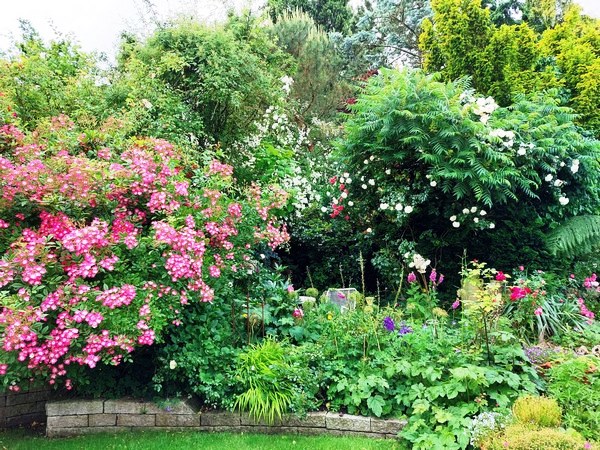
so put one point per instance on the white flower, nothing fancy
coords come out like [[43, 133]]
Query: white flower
[[323, 209], [466, 211], [335, 201], [388, 171], [456, 224], [344, 195], [548, 177], [521, 151], [562, 164], [563, 200], [398, 206], [262, 256], [482, 212], [366, 161], [384, 206], [348, 180], [474, 209], [364, 186], [369, 230], [408, 209], [346, 175], [575, 166], [452, 218], [172, 364], [371, 157], [146, 103], [371, 182], [492, 226], [476, 219], [433, 183], [350, 203], [342, 180], [558, 182]]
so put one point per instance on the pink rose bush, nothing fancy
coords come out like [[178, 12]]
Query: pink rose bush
[[103, 247]]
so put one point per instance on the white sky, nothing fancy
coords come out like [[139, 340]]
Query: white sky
[[96, 25]]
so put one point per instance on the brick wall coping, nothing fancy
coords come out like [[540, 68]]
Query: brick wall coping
[[75, 417]]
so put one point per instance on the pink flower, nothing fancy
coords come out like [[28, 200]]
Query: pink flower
[[290, 288], [521, 268], [411, 277], [433, 276], [456, 304], [298, 313], [538, 312], [500, 276]]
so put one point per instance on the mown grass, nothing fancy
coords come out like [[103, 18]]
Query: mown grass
[[164, 440]]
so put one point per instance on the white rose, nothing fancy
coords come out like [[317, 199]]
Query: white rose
[[344, 195], [465, 211], [350, 203], [482, 212], [408, 209], [398, 206], [433, 183], [548, 177], [172, 364], [364, 186], [492, 226], [371, 182], [452, 218], [384, 206], [456, 224]]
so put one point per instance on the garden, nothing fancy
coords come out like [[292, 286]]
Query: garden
[[314, 209]]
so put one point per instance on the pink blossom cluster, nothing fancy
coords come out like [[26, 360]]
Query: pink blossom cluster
[[115, 200], [591, 283], [584, 310]]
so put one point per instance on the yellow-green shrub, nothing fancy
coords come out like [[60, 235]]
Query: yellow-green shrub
[[523, 437], [540, 411]]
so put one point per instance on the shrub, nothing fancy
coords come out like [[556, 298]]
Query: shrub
[[523, 437], [575, 384], [538, 411]]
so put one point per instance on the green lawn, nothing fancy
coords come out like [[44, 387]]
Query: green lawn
[[163, 440]]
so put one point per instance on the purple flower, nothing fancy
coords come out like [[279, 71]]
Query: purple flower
[[440, 279], [388, 324], [433, 276], [456, 304], [411, 277], [404, 329]]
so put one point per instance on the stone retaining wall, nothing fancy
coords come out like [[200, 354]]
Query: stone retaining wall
[[74, 417], [23, 408]]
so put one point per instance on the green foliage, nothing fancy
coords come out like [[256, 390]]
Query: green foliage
[[537, 411], [436, 166], [317, 86], [46, 80], [575, 384], [387, 34], [523, 437], [331, 15], [219, 78], [576, 236]]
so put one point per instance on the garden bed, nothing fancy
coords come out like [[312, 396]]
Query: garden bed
[[76, 417]]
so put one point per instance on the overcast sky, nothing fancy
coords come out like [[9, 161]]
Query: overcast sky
[[96, 25]]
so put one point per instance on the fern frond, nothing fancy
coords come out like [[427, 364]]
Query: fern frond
[[577, 236]]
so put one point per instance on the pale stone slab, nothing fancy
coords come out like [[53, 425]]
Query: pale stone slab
[[103, 420], [73, 407], [177, 420], [312, 420], [220, 418], [67, 421], [136, 420], [335, 421], [130, 407], [392, 426]]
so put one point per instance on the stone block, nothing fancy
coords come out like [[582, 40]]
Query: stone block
[[25, 408], [24, 420], [367, 434], [103, 420], [312, 420], [177, 420], [391, 426], [220, 418], [73, 407], [130, 407], [136, 420], [28, 397], [3, 400], [247, 419], [336, 421], [67, 421]]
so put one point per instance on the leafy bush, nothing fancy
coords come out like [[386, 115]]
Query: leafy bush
[[523, 437], [538, 411], [105, 246], [575, 384]]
